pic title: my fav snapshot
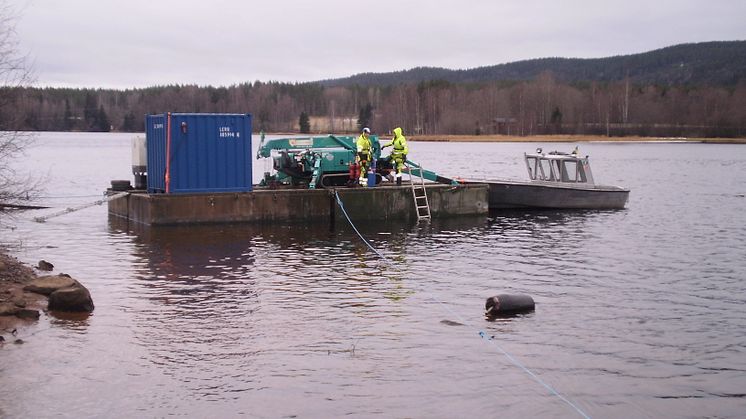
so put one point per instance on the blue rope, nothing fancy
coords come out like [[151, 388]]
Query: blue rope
[[489, 339], [341, 205], [515, 362]]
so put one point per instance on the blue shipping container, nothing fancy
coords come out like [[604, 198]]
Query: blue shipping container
[[192, 152]]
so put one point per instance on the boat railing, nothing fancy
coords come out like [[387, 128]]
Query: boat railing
[[559, 167]]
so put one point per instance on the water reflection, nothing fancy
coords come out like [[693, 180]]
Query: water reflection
[[188, 253], [72, 321], [540, 219], [214, 304]]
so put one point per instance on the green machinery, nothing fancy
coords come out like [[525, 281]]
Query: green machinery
[[324, 161]]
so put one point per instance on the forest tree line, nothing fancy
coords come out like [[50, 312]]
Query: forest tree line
[[542, 105], [715, 63]]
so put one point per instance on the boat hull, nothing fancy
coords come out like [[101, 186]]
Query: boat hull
[[509, 194]]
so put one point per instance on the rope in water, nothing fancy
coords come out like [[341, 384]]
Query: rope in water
[[69, 196], [482, 334]]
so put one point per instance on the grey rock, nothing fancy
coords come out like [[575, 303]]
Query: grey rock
[[28, 314], [46, 285], [72, 299], [43, 265], [8, 309]]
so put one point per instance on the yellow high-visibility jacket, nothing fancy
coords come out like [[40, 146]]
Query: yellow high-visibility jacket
[[363, 144], [399, 142]]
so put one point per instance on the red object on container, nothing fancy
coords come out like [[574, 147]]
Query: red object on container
[[354, 171]]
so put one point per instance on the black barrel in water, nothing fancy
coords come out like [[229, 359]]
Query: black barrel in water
[[508, 304]]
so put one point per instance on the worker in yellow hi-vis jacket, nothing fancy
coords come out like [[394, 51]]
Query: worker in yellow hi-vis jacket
[[364, 154], [399, 154]]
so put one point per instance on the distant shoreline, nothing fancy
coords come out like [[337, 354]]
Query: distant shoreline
[[568, 139], [494, 138]]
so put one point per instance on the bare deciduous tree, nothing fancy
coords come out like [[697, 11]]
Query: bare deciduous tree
[[15, 73]]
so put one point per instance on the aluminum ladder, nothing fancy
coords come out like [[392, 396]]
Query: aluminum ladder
[[419, 194]]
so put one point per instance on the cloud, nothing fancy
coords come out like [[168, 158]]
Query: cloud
[[141, 43]]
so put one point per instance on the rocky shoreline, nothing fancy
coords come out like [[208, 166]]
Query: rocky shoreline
[[25, 294]]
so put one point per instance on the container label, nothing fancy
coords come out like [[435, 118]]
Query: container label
[[158, 126], [225, 132]]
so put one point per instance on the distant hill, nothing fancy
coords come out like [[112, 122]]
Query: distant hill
[[705, 63]]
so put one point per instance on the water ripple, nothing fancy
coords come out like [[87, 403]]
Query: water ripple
[[640, 312]]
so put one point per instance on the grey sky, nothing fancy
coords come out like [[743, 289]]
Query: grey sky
[[137, 43]]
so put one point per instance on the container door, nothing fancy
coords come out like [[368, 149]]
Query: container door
[[155, 138]]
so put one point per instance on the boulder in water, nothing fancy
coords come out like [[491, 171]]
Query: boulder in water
[[65, 293], [48, 284], [43, 265], [76, 298]]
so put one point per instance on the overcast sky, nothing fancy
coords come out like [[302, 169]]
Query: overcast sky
[[137, 43]]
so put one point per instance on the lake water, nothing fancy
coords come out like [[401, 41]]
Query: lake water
[[640, 312]]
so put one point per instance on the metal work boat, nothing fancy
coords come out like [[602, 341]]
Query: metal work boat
[[557, 181]]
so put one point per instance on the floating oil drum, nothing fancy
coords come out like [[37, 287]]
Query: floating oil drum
[[506, 304]]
